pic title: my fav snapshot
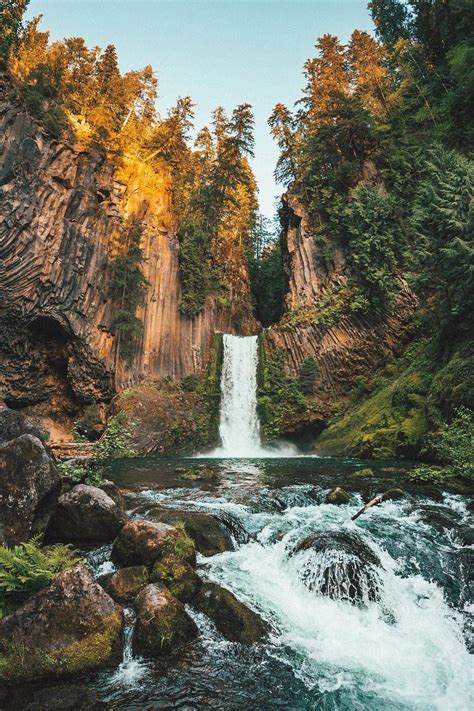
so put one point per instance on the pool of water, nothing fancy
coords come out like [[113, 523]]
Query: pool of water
[[409, 649]]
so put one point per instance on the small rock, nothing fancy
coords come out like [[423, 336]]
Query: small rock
[[232, 618], [144, 542], [363, 473], [162, 623], [338, 496], [86, 513], [71, 626], [178, 576], [125, 584], [393, 494]]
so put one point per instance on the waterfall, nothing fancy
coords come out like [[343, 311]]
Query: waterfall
[[239, 427]]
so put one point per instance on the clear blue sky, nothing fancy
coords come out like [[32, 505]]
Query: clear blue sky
[[218, 51]]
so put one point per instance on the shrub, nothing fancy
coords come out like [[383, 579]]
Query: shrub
[[28, 567], [80, 473], [116, 441], [307, 375]]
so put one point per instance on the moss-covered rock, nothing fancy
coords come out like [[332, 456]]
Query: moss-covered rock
[[162, 623], [233, 619], [363, 473], [177, 575], [338, 496], [210, 536], [71, 626], [125, 584], [144, 542]]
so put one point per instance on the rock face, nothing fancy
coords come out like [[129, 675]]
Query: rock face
[[232, 618], [85, 513], [162, 623], [29, 487], [339, 565], [13, 424], [144, 542], [354, 347], [62, 210], [71, 626]]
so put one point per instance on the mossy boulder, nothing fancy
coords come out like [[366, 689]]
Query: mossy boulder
[[210, 535], [363, 473], [86, 513], [144, 542], [233, 619], [178, 576], [162, 623], [338, 496], [71, 626], [125, 584]]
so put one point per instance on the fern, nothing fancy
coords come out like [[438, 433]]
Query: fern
[[28, 567]]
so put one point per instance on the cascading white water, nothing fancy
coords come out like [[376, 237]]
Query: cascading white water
[[239, 428]]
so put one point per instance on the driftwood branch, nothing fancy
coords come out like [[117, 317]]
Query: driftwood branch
[[390, 494]]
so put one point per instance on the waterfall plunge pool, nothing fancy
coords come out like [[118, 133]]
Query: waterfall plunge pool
[[408, 650]]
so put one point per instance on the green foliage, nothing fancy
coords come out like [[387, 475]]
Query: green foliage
[[80, 473], [11, 26], [128, 287], [456, 446], [28, 567], [267, 277], [279, 396], [116, 440], [307, 375]]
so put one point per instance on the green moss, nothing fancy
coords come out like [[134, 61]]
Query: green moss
[[20, 663], [180, 546], [177, 575]]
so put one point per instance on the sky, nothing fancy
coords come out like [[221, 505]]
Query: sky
[[220, 52]]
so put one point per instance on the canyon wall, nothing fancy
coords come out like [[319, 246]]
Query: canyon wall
[[359, 342], [62, 207]]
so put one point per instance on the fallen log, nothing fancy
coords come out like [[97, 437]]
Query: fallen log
[[390, 494]]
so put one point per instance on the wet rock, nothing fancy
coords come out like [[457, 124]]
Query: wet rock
[[465, 534], [339, 565], [86, 513], [114, 492], [208, 533], [393, 494], [438, 516], [177, 575], [338, 496], [162, 623], [71, 626], [125, 584], [29, 487], [144, 542], [76, 697], [363, 473], [201, 473], [233, 619]]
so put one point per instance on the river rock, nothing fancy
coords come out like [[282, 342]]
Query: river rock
[[114, 492], [338, 496], [233, 619], [71, 697], [178, 576], [393, 494], [71, 626], [144, 542], [125, 584], [86, 513], [465, 534], [162, 623], [29, 487], [208, 533], [363, 473], [339, 565]]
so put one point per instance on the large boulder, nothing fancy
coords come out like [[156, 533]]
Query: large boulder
[[71, 626], [340, 565], [86, 513], [29, 487], [233, 619], [13, 424], [210, 535], [144, 542], [162, 623]]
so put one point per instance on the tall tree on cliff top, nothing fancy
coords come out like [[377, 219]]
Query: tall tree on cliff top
[[11, 26]]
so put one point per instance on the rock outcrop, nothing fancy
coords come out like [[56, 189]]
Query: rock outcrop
[[62, 210], [71, 626]]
